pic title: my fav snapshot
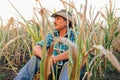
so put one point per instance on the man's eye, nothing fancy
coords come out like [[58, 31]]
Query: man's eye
[[58, 18]]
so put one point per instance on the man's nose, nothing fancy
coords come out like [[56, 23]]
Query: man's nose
[[55, 21]]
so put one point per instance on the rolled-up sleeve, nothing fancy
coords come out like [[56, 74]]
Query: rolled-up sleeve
[[49, 40]]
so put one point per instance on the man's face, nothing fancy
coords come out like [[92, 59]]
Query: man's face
[[60, 23]]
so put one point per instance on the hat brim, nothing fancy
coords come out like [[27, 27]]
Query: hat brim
[[62, 14], [65, 15]]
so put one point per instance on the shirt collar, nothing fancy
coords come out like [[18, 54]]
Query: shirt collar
[[56, 33]]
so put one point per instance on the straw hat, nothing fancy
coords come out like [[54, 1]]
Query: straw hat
[[65, 14]]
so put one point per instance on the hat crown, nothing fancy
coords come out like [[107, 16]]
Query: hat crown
[[65, 14]]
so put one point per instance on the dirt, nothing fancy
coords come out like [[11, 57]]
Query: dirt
[[112, 76], [8, 74]]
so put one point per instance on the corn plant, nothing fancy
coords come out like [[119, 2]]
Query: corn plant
[[95, 36]]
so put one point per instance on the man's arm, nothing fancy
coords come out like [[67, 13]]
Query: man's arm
[[37, 51], [60, 57]]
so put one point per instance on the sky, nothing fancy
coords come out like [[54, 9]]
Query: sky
[[25, 7]]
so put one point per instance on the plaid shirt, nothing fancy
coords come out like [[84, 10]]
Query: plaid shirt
[[59, 46]]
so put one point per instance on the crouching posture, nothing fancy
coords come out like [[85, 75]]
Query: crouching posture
[[62, 28]]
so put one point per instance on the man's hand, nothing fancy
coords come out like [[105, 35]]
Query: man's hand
[[54, 60]]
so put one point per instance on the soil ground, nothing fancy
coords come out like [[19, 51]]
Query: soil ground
[[7, 74]]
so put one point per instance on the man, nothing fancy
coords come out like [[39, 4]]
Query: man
[[63, 19]]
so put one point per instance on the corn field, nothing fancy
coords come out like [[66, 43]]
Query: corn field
[[98, 42]]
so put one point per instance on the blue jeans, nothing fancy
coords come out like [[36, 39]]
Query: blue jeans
[[33, 65], [64, 72], [29, 70]]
